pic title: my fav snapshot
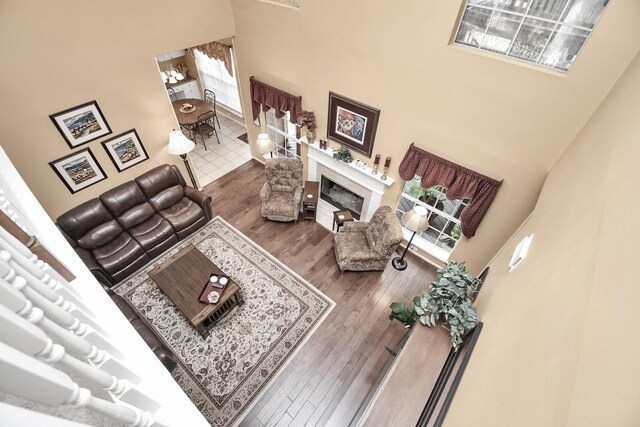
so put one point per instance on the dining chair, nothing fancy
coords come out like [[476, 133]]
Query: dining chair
[[210, 98], [205, 127], [172, 94]]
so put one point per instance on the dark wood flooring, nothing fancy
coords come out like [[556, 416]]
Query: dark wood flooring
[[329, 378]]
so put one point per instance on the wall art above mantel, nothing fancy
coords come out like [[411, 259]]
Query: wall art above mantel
[[352, 123]]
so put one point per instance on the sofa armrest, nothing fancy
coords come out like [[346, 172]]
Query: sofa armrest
[[99, 273], [355, 227], [265, 192], [203, 200]]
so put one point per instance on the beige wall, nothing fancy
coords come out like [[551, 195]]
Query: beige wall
[[562, 335], [56, 55], [499, 118]]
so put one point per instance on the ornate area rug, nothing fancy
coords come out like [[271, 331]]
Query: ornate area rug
[[225, 374]]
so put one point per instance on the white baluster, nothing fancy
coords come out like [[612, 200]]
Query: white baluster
[[31, 379], [10, 210], [45, 273], [56, 313], [16, 301], [19, 259], [31, 340]]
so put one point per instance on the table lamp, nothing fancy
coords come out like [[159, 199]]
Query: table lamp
[[265, 144], [181, 145], [417, 219]]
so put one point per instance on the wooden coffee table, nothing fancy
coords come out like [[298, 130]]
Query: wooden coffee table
[[182, 278]]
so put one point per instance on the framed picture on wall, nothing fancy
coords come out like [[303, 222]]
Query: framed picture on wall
[[352, 123], [125, 150], [81, 124], [78, 170]]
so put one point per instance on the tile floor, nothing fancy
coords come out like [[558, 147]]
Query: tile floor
[[218, 159]]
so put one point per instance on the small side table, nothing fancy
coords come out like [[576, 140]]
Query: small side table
[[310, 204], [338, 222]]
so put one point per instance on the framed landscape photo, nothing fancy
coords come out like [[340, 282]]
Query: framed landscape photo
[[352, 123], [81, 124], [125, 150], [78, 170]]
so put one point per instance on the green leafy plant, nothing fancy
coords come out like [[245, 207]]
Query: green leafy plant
[[343, 154], [450, 297], [402, 313], [456, 234]]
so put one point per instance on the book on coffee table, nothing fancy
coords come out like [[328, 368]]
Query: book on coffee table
[[216, 287]]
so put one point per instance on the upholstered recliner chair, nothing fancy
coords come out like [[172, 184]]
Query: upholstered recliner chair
[[281, 195], [364, 246]]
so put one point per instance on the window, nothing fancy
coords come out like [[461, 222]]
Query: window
[[444, 215], [284, 134], [546, 32], [214, 76]]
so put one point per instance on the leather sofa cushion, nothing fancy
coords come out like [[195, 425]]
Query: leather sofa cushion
[[182, 214], [162, 186], [128, 204], [83, 218], [153, 231], [101, 235], [121, 251]]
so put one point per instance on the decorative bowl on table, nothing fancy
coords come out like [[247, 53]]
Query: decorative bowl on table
[[187, 108]]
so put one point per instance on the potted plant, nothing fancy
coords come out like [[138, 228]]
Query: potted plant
[[449, 299], [308, 119], [343, 154]]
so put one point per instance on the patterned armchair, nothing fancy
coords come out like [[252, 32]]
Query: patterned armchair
[[362, 246], [281, 195]]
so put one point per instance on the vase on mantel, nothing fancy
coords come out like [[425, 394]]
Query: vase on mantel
[[311, 136]]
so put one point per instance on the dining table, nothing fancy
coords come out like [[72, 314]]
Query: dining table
[[188, 119]]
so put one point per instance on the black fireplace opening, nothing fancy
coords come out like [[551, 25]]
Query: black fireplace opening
[[340, 197]]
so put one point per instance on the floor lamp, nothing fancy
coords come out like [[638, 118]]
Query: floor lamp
[[181, 145], [265, 144], [416, 220]]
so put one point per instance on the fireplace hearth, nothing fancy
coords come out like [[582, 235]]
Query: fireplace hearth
[[340, 197]]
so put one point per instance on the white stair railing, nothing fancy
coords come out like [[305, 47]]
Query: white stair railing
[[26, 377], [12, 298], [29, 266], [22, 335], [41, 296]]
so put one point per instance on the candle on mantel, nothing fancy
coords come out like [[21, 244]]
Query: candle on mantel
[[387, 162], [376, 161]]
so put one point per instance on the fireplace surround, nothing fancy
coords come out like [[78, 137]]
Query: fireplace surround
[[358, 181]]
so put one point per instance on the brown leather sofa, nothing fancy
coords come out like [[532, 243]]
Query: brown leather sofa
[[122, 230], [152, 340]]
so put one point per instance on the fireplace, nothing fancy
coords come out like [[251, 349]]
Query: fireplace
[[344, 186], [341, 197]]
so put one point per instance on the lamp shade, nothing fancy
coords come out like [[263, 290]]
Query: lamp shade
[[417, 219], [265, 145], [179, 144]]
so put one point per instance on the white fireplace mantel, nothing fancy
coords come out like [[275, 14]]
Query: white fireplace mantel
[[358, 179], [361, 175]]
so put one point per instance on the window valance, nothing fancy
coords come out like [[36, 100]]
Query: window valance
[[216, 50], [272, 97], [460, 182]]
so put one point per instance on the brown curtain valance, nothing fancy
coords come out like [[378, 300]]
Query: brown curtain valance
[[216, 50], [272, 97], [460, 182]]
